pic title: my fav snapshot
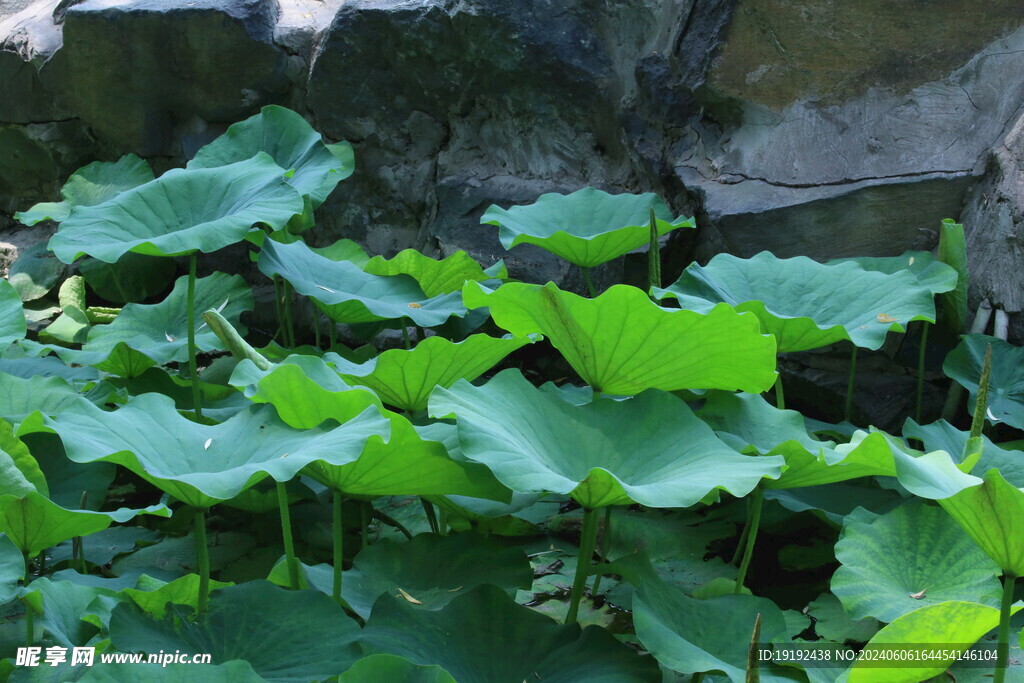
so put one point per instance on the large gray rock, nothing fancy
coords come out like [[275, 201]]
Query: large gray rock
[[28, 38], [993, 220], [455, 105], [834, 129], [146, 74]]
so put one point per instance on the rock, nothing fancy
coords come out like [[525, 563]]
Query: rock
[[36, 159], [28, 38], [458, 105], [993, 221], [845, 132], [142, 73]]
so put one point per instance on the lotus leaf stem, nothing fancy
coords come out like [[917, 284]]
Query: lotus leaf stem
[[442, 521], [848, 406], [920, 370], [428, 510], [956, 391], [606, 537], [286, 535], [288, 320], [742, 543], [30, 627], [405, 336], [780, 394], [278, 310], [392, 522], [589, 283], [1003, 648], [756, 503], [588, 539], [339, 540], [202, 558], [193, 371], [316, 327], [753, 660]]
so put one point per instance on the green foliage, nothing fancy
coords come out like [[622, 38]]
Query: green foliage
[[127, 524]]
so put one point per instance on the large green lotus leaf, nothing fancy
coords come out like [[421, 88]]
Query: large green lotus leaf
[[290, 141], [181, 212], [407, 465], [20, 397], [134, 277], [622, 343], [19, 471], [12, 569], [913, 556], [12, 315], [35, 272], [91, 185], [650, 449], [1006, 383], [469, 560], [35, 523], [690, 635], [807, 304], [483, 636], [61, 605], [948, 625], [929, 271], [347, 294], [587, 227], [752, 425], [832, 622], [304, 390], [942, 436], [993, 515], [160, 331], [434, 277], [394, 668], [405, 378], [201, 465], [182, 591], [989, 509], [285, 635], [835, 501]]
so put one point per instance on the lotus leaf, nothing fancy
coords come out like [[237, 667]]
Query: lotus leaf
[[405, 378], [202, 465], [953, 251], [345, 293], [942, 436], [12, 569], [304, 389], [949, 625], [930, 272], [406, 465], [12, 314], [394, 668], [62, 605], [1006, 383], [181, 212], [483, 636], [35, 523], [833, 623], [692, 636], [134, 277], [910, 557], [19, 471], [285, 635], [35, 272], [316, 167], [622, 343], [806, 304], [650, 449], [587, 227], [160, 331], [469, 561], [91, 185], [434, 277]]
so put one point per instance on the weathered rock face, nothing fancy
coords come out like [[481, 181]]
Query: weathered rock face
[[994, 222], [835, 129], [812, 127]]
